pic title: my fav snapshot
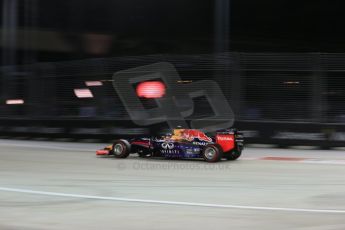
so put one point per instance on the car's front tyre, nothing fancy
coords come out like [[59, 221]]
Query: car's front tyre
[[121, 149]]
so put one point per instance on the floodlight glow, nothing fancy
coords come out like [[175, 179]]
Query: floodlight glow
[[151, 89], [15, 102], [83, 93], [93, 83]]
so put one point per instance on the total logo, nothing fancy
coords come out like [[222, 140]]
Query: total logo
[[225, 138], [167, 145]]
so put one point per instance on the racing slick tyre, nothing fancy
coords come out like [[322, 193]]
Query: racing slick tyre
[[121, 149], [212, 153], [233, 155]]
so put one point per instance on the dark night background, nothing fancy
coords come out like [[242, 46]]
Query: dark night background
[[274, 60], [178, 27]]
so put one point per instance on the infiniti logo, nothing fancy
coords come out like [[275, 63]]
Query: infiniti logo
[[167, 145]]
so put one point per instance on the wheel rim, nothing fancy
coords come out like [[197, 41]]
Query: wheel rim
[[210, 153], [118, 149]]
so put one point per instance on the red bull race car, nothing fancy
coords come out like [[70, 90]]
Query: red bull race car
[[181, 143]]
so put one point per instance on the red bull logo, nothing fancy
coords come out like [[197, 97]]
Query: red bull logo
[[191, 134]]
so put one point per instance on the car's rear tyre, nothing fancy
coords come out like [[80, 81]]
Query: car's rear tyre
[[212, 153], [121, 149], [233, 155]]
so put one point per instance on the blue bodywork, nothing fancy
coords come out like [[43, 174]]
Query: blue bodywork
[[173, 149]]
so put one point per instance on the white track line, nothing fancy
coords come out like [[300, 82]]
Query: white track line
[[327, 162], [178, 203], [302, 161]]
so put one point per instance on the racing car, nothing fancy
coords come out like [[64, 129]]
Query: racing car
[[181, 143]]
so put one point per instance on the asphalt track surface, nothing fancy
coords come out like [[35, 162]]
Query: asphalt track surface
[[55, 185]]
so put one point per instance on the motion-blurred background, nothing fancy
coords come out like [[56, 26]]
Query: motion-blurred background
[[279, 63]]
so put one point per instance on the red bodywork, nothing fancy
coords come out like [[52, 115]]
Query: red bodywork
[[226, 141], [102, 152], [142, 143]]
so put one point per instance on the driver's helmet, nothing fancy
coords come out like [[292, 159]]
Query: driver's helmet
[[177, 134]]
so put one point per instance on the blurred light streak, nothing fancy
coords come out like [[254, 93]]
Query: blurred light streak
[[83, 93], [93, 83], [15, 102]]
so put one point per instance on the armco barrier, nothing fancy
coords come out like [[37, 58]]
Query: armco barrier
[[288, 134]]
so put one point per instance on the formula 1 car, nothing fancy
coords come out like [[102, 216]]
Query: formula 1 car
[[181, 143]]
